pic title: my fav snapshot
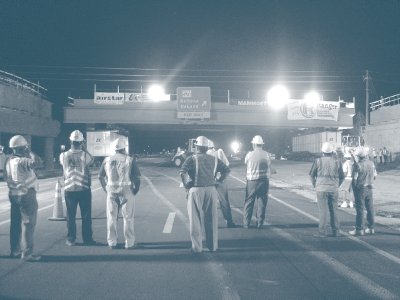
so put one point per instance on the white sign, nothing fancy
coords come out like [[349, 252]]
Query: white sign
[[109, 98], [323, 110]]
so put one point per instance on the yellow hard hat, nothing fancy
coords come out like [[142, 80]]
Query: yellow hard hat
[[18, 141]]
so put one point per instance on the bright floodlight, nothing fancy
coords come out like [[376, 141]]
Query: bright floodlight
[[235, 146], [156, 92], [278, 97], [312, 98]]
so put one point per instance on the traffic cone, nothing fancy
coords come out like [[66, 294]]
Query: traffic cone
[[58, 214]]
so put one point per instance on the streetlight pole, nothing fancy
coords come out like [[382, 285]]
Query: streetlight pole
[[367, 78]]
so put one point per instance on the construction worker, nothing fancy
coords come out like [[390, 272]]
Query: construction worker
[[22, 183], [222, 187], [198, 176], [326, 176], [77, 188], [120, 178], [345, 187], [258, 173], [364, 174]]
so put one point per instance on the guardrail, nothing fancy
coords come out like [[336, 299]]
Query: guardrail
[[388, 101], [30, 87]]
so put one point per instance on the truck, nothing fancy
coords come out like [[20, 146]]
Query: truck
[[312, 143], [182, 153], [98, 143]]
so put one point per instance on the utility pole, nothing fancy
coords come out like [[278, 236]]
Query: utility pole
[[367, 78]]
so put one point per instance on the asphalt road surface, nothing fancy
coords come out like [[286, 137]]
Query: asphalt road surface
[[283, 260]]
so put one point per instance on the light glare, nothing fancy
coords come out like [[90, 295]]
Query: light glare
[[278, 97]]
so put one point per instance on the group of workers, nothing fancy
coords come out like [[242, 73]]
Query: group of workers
[[203, 175], [357, 174]]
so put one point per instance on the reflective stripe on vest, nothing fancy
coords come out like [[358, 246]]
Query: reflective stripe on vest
[[118, 173], [19, 180], [75, 171]]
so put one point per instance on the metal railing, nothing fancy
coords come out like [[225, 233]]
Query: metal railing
[[30, 87], [388, 101]]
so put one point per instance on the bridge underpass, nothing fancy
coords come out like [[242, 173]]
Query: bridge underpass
[[149, 121]]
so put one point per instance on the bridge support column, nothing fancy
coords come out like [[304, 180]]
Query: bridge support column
[[48, 153]]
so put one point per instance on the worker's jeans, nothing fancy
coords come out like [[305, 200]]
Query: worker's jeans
[[364, 198], [114, 201], [222, 190], [327, 204], [23, 221], [84, 199], [256, 189], [203, 201]]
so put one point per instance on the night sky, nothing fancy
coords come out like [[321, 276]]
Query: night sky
[[243, 46]]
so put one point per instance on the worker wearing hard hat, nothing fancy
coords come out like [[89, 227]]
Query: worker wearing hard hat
[[198, 176], [345, 187], [222, 187], [22, 183], [258, 172], [120, 178], [77, 188], [364, 174], [326, 176]]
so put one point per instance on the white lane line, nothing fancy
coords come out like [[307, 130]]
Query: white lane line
[[169, 223], [227, 288], [363, 282], [389, 256]]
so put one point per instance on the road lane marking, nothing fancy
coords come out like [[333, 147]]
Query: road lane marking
[[363, 282], [221, 275], [389, 256], [169, 223]]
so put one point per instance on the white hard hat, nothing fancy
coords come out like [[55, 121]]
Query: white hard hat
[[210, 144], [202, 141], [119, 144], [76, 136], [362, 152], [257, 140], [327, 147], [18, 141]]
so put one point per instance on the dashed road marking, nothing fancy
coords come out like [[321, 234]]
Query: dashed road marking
[[169, 223]]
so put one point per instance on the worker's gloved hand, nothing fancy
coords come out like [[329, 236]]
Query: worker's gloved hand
[[188, 185]]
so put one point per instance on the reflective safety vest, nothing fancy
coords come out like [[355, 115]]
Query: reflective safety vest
[[118, 169], [76, 172], [258, 165], [20, 177]]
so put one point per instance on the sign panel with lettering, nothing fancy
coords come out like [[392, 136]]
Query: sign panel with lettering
[[323, 110], [193, 102], [109, 98], [248, 102]]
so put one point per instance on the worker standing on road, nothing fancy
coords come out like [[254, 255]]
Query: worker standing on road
[[222, 187], [77, 187], [120, 178], [364, 173], [22, 183], [198, 176], [326, 176], [258, 173], [345, 187]]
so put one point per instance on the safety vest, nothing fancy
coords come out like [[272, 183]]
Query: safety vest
[[118, 168], [20, 177], [76, 173], [204, 176], [258, 165]]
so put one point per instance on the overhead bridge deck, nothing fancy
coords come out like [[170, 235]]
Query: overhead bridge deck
[[163, 116]]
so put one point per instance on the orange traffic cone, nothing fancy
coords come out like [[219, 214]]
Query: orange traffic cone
[[58, 214]]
